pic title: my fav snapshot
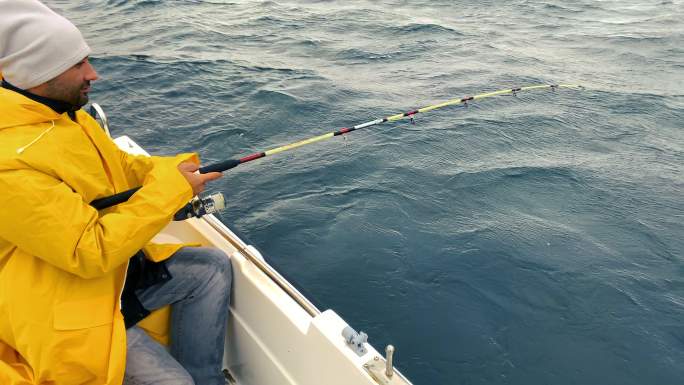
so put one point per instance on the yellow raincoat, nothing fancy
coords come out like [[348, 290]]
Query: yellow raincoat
[[63, 264]]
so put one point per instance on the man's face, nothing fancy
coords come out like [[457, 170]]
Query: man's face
[[73, 85]]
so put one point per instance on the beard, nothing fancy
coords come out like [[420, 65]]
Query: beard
[[69, 92]]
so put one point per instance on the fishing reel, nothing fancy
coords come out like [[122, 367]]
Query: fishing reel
[[199, 207]]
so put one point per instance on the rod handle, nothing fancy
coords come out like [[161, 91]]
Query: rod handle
[[220, 166], [113, 200]]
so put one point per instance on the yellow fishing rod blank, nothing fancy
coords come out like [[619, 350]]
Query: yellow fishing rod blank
[[230, 163]]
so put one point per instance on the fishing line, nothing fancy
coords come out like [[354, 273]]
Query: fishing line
[[196, 207]]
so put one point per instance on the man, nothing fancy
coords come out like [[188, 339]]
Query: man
[[68, 314]]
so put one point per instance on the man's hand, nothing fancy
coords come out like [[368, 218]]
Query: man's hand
[[196, 180]]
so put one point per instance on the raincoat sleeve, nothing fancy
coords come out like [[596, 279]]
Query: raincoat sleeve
[[44, 217], [136, 167]]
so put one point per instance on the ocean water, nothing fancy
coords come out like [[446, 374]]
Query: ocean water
[[535, 239]]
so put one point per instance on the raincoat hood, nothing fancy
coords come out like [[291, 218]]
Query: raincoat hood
[[18, 110], [27, 111]]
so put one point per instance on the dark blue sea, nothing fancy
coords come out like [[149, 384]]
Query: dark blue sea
[[535, 239]]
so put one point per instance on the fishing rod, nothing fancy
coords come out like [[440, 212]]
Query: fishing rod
[[198, 207]]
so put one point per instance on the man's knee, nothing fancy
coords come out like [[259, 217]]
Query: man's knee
[[218, 259], [218, 262]]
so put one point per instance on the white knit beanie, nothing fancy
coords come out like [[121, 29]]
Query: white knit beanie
[[36, 44]]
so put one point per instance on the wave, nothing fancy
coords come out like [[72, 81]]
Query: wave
[[465, 179], [360, 54], [414, 28]]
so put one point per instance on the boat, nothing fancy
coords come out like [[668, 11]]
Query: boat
[[276, 336]]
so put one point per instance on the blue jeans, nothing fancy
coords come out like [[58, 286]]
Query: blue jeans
[[199, 295]]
